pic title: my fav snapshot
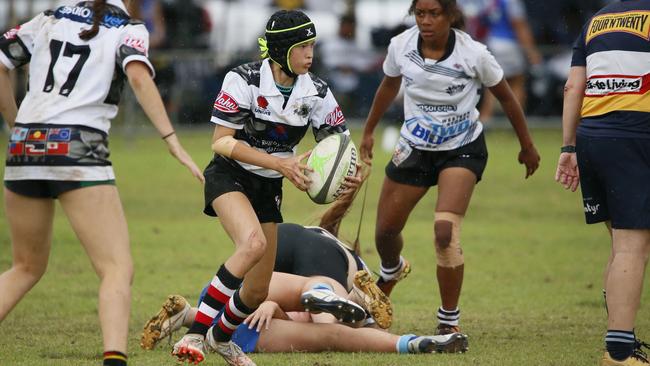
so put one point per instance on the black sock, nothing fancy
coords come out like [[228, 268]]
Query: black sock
[[114, 358], [620, 343]]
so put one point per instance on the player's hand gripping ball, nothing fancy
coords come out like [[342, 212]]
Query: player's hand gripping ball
[[333, 159]]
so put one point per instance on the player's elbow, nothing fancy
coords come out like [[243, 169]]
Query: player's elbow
[[138, 75]]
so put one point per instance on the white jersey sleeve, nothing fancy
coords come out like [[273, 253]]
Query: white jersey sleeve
[[233, 104], [134, 46], [488, 69], [327, 118], [17, 45], [391, 66]]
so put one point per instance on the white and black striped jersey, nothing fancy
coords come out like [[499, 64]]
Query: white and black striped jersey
[[440, 96], [251, 103], [72, 81]]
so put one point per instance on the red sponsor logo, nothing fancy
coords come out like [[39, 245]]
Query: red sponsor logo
[[12, 33], [335, 117], [262, 102], [225, 103], [136, 43]]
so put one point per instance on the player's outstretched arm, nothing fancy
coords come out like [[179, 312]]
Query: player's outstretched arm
[[385, 95], [149, 98], [8, 107]]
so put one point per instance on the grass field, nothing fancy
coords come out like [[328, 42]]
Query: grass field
[[532, 292]]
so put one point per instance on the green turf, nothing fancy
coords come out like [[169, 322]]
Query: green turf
[[533, 268]]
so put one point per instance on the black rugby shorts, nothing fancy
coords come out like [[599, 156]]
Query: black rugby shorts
[[614, 180], [421, 168], [265, 194]]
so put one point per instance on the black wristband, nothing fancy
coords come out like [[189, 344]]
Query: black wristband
[[568, 149], [167, 135]]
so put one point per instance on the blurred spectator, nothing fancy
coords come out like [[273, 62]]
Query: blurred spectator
[[289, 4], [350, 71], [185, 75], [151, 13], [503, 27], [188, 24]]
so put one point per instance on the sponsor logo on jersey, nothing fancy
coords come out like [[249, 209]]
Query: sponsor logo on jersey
[[12, 33], [262, 103], [19, 133], [59, 135], [402, 152], [631, 22], [455, 89], [137, 44], [437, 108], [75, 10], [225, 103], [83, 14], [37, 134], [278, 132], [605, 85], [335, 117], [16, 148], [434, 132], [35, 149], [58, 148]]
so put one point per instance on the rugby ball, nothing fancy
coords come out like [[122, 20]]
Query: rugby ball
[[333, 159]]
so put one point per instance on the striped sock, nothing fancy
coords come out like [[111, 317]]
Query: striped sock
[[219, 292], [114, 358], [449, 317], [234, 314], [388, 274], [620, 343]]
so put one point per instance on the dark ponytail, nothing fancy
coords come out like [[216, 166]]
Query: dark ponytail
[[99, 9]]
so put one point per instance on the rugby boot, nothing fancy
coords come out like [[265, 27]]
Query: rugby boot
[[449, 343], [190, 348], [443, 329], [387, 286], [230, 351], [168, 320], [317, 301], [372, 299], [638, 357]]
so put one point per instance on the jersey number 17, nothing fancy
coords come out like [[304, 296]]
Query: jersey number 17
[[69, 51]]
